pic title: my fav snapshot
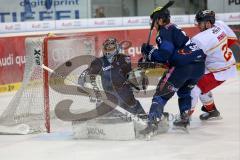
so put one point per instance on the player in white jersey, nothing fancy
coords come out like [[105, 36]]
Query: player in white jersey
[[214, 39]]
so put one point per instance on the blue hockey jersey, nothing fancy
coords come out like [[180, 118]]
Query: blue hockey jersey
[[175, 47]]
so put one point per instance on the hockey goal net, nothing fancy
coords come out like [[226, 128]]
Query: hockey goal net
[[32, 107]]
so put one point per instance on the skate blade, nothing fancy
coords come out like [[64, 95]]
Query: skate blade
[[213, 119]]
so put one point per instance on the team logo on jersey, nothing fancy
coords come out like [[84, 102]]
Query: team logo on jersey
[[106, 68]]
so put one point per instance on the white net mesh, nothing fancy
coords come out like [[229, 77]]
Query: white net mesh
[[27, 106]]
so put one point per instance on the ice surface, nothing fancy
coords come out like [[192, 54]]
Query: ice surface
[[215, 140]]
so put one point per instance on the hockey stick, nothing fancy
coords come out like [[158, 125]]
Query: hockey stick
[[169, 4], [151, 65], [108, 102]]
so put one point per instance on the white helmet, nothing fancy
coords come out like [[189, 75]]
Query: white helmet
[[110, 47]]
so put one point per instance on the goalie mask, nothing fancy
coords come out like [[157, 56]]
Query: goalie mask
[[110, 48]]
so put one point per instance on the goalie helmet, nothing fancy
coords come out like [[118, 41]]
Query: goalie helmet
[[110, 47], [157, 13], [204, 16]]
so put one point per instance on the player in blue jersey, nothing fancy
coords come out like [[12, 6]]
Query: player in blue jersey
[[186, 66]]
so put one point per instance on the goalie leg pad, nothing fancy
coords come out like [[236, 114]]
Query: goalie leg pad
[[105, 128]]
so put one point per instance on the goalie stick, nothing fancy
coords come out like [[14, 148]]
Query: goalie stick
[[108, 102]]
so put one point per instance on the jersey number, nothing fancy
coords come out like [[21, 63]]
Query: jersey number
[[227, 55]]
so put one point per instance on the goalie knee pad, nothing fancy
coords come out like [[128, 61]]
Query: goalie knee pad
[[206, 98]]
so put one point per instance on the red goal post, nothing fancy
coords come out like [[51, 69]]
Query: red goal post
[[33, 104]]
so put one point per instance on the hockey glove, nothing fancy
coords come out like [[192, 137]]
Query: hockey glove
[[146, 49]]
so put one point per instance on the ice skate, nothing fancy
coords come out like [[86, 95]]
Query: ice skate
[[210, 115], [156, 126], [150, 130], [182, 123]]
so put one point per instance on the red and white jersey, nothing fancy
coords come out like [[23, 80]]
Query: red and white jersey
[[215, 44]]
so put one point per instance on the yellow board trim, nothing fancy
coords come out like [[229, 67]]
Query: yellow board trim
[[10, 87]]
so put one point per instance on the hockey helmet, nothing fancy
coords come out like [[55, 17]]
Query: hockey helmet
[[110, 47], [158, 13], [205, 15]]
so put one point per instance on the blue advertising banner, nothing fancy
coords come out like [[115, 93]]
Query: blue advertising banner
[[41, 10]]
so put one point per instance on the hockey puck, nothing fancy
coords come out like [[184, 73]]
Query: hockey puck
[[68, 63]]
